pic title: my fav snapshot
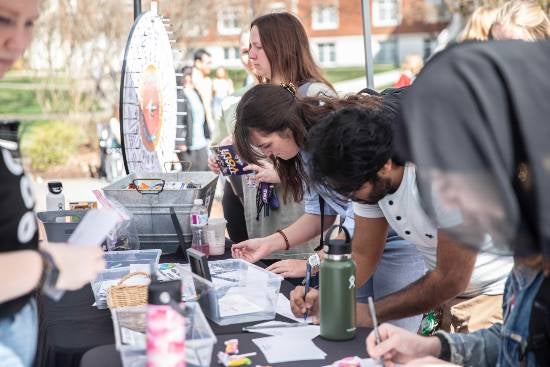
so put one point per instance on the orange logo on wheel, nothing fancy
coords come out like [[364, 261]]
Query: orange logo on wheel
[[150, 102]]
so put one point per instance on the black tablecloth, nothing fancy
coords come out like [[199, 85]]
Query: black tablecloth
[[108, 356], [72, 328]]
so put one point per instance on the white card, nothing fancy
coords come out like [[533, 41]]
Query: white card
[[94, 227]]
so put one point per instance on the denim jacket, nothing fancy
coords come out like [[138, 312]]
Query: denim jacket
[[334, 205], [503, 345]]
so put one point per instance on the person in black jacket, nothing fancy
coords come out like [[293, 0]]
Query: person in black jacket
[[25, 266], [192, 132]]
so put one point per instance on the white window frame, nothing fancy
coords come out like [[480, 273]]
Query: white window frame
[[381, 7], [277, 7], [231, 15], [324, 52], [233, 52], [321, 16]]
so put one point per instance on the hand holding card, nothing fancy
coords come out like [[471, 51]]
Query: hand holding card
[[229, 161]]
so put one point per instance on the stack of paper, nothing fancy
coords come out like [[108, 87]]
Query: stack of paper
[[288, 341]]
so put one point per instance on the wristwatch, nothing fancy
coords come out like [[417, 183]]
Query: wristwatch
[[314, 261], [50, 271]]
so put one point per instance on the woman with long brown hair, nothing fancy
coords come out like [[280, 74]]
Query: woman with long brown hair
[[272, 121], [279, 53]]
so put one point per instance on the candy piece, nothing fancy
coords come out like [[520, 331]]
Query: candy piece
[[240, 361], [348, 362], [232, 346]]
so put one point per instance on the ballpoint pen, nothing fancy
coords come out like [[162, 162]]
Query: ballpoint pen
[[374, 321], [307, 282]]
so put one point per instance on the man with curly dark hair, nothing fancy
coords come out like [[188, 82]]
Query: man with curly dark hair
[[352, 152]]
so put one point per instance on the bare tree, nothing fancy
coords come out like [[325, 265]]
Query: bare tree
[[80, 44]]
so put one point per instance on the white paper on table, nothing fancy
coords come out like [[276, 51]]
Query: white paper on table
[[303, 332], [283, 309], [277, 349], [94, 227], [233, 304]]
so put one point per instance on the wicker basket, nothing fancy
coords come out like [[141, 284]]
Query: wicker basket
[[121, 295]]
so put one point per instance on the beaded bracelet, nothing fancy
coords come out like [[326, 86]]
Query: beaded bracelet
[[287, 244]]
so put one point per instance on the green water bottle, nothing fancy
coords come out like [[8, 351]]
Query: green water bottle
[[337, 289]]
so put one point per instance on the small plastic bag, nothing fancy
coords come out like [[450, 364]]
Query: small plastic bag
[[125, 235]]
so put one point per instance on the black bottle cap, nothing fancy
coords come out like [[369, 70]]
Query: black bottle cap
[[337, 246], [161, 293], [55, 187]]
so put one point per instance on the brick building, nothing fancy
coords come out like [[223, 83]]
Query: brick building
[[335, 28]]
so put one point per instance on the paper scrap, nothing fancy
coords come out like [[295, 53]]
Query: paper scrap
[[283, 309], [277, 349], [173, 185], [94, 227], [305, 332]]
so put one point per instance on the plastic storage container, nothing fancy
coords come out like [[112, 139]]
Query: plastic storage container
[[129, 326], [60, 224], [161, 214], [242, 292], [120, 259], [119, 263]]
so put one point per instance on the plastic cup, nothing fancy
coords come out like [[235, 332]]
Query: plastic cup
[[218, 226]]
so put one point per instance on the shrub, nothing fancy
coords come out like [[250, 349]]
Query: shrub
[[50, 144]]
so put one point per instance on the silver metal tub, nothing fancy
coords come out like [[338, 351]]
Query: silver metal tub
[[162, 215]]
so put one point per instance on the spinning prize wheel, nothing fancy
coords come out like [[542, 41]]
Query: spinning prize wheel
[[148, 104]]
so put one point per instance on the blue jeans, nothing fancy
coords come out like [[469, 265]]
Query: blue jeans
[[503, 345], [400, 265], [18, 337]]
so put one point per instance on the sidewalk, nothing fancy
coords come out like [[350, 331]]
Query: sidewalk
[[355, 85]]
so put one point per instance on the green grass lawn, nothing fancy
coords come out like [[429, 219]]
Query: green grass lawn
[[334, 75], [24, 101], [18, 101]]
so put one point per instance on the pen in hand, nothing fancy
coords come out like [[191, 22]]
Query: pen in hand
[[374, 321], [307, 282]]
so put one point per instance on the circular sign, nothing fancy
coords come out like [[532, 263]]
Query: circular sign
[[148, 102]]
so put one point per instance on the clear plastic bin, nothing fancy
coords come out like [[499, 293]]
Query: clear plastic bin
[[241, 292], [129, 324], [119, 263], [119, 259]]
